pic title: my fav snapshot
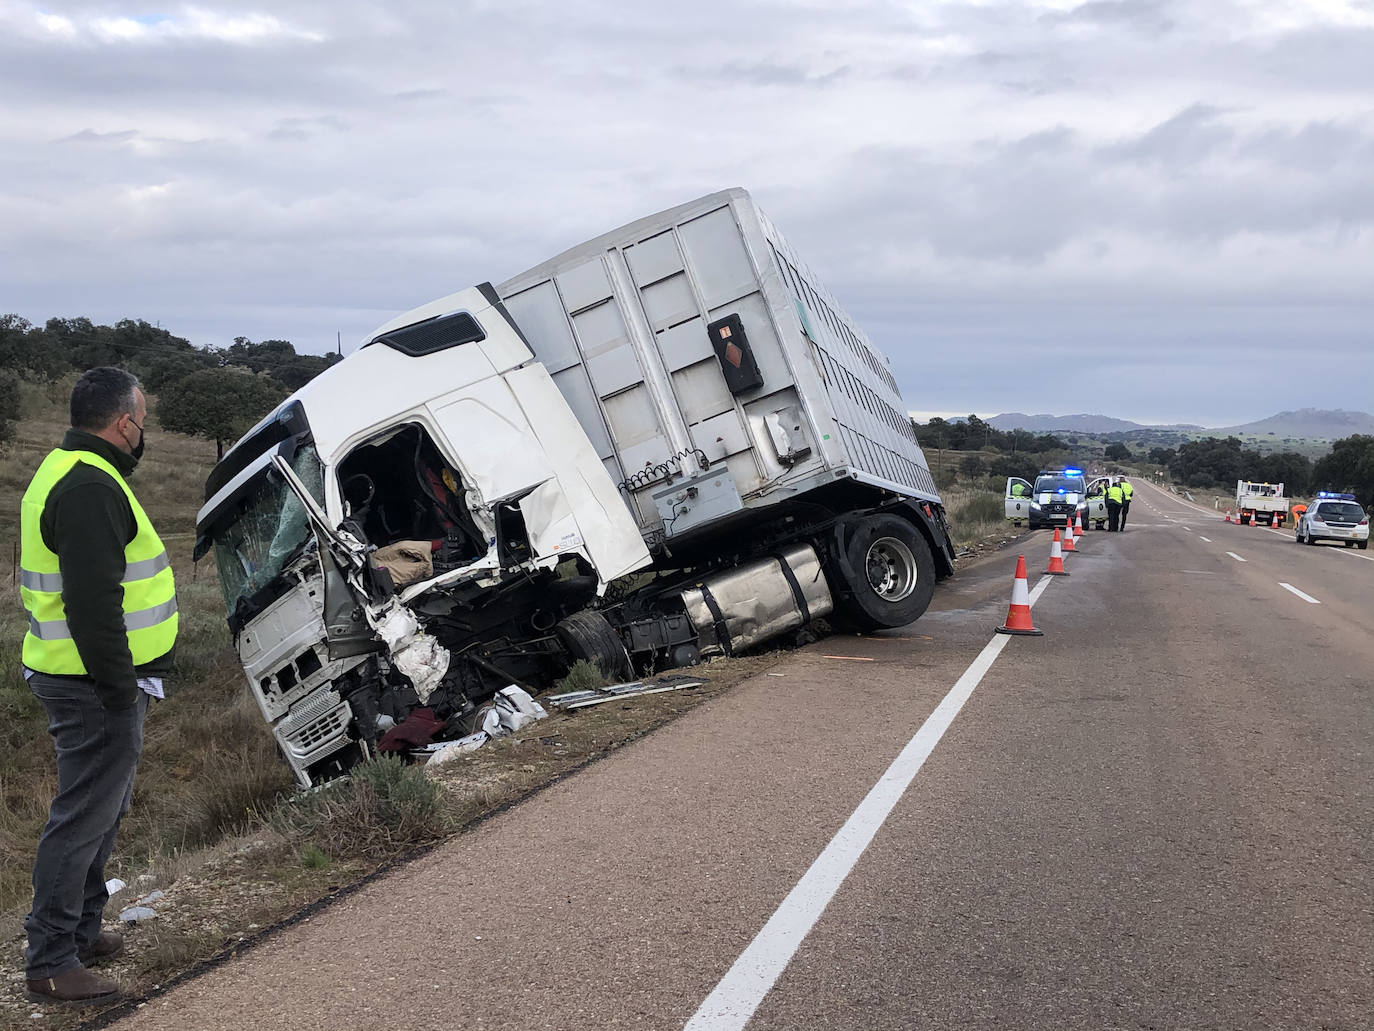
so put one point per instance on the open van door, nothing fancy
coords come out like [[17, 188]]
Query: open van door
[[1097, 502], [1018, 500]]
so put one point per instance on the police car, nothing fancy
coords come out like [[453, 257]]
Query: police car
[[1055, 499], [1334, 517]]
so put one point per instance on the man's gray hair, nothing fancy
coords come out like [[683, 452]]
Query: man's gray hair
[[101, 396]]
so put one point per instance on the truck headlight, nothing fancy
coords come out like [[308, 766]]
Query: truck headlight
[[1035, 506]]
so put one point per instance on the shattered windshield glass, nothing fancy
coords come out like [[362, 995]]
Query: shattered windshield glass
[[270, 529]]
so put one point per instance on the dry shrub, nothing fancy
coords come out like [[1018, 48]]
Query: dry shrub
[[982, 508], [163, 948], [975, 515], [384, 807]]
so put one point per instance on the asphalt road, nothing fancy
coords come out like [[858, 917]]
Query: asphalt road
[[1157, 815]]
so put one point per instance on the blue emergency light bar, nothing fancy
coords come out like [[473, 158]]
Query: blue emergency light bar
[[1073, 472], [1335, 496]]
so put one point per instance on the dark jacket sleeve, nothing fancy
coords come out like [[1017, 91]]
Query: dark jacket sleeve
[[91, 524]]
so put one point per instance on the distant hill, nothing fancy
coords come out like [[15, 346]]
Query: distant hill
[[1320, 423], [1074, 424], [1312, 424]]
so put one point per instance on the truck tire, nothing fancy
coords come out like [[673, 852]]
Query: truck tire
[[588, 635], [889, 577]]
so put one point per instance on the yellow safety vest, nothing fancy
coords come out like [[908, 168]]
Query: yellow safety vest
[[1126, 491], [150, 599], [1115, 494]]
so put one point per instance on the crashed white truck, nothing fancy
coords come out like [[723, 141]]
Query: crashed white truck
[[665, 444]]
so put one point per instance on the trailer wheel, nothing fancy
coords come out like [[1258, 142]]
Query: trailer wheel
[[889, 576], [588, 635]]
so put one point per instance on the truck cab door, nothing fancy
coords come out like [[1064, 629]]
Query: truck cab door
[[1097, 500], [1018, 500]]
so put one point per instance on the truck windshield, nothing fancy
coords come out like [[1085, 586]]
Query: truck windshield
[[268, 531]]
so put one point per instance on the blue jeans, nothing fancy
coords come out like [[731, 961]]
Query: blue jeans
[[97, 753]]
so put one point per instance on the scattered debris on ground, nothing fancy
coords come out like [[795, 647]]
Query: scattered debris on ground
[[207, 909]]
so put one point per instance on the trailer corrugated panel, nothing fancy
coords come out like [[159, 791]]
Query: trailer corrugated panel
[[621, 323]]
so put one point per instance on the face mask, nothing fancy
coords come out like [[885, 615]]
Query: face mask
[[137, 452]]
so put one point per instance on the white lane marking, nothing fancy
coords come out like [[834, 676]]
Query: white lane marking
[[1300, 594], [1188, 528], [1279, 532], [1202, 538], [1356, 554], [1235, 556], [733, 1001]]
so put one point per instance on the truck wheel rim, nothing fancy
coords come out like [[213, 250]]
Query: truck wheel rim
[[891, 569]]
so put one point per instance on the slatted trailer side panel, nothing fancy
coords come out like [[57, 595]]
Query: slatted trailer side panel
[[698, 337]]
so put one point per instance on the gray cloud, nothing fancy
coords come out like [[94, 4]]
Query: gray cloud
[[1134, 15], [91, 136], [1138, 192]]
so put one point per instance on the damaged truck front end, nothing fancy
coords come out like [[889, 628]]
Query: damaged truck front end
[[403, 538]]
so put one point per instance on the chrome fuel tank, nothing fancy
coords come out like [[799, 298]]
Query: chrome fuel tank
[[749, 604]]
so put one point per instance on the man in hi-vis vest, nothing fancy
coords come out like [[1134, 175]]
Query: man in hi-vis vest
[[97, 584]]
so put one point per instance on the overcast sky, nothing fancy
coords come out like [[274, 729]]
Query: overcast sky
[[1154, 210]]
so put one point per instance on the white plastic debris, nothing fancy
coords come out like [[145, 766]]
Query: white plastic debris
[[137, 914], [511, 709], [114, 886], [150, 898], [446, 751], [413, 651]]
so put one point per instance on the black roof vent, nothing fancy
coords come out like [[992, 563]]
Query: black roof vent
[[433, 335], [290, 422]]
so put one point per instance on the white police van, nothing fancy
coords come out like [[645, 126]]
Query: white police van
[[1055, 499]]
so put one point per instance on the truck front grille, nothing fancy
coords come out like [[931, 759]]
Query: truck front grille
[[315, 729]]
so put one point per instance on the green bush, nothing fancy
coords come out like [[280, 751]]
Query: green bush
[[9, 406], [582, 676], [314, 858]]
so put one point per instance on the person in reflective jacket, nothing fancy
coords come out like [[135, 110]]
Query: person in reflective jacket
[[1115, 495], [1126, 491], [97, 584]]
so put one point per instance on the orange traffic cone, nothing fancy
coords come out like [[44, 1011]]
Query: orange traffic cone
[[1056, 558], [1018, 613], [1068, 539], [1228, 516], [1078, 525]]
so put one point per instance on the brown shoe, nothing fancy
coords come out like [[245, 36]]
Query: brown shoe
[[75, 987], [107, 945]]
